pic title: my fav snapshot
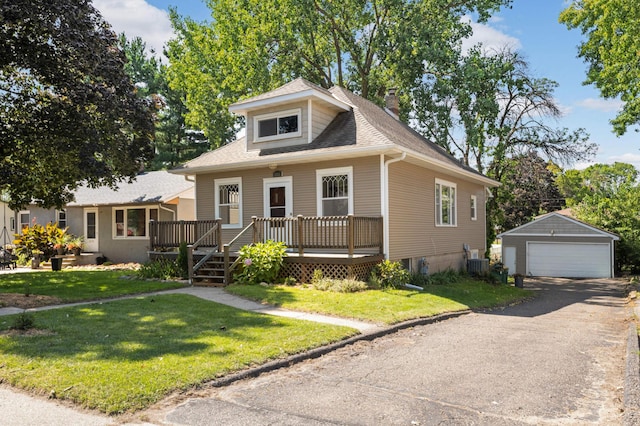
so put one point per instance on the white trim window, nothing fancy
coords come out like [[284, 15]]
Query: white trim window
[[24, 218], [474, 207], [278, 125], [228, 202], [445, 203], [61, 218], [334, 189], [132, 222]]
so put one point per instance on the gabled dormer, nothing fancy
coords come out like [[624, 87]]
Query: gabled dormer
[[291, 115]]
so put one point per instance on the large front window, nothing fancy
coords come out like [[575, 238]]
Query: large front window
[[133, 222], [277, 125], [335, 191], [445, 203], [229, 202]]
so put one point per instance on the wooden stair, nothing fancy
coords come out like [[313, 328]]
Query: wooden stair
[[212, 273]]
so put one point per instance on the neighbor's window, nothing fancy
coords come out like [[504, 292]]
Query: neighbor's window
[[445, 203], [12, 224], [25, 219], [229, 202], [277, 125], [61, 218], [474, 207], [133, 222], [335, 191]]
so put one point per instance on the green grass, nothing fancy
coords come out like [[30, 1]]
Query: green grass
[[385, 306], [73, 286], [125, 355]]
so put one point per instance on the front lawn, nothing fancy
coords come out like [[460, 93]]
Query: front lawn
[[385, 306], [125, 355], [77, 285]]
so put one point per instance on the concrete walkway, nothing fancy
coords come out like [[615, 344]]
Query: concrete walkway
[[218, 295]]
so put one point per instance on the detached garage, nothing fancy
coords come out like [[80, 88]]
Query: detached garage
[[555, 245]]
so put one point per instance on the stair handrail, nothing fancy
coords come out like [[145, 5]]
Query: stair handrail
[[190, 248], [227, 250]]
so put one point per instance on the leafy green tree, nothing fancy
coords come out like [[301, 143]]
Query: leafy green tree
[[617, 213], [68, 112], [491, 108], [175, 142], [252, 46], [602, 179], [528, 190], [612, 29]]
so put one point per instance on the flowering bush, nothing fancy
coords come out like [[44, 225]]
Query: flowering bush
[[261, 262]]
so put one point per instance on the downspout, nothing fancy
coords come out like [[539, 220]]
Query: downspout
[[173, 214], [384, 197]]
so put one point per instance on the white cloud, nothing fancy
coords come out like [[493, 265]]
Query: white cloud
[[599, 104], [137, 18], [626, 158], [491, 38]]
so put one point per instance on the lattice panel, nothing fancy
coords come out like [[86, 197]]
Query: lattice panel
[[304, 272]]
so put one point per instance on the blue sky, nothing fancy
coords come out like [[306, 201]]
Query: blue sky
[[530, 26]]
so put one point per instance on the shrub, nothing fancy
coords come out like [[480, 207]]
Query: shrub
[[163, 269], [261, 262], [392, 274], [46, 239], [348, 285], [23, 321], [183, 260], [448, 276]]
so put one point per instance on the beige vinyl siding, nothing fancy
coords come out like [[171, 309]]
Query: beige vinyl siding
[[321, 116], [366, 176], [304, 123], [412, 230]]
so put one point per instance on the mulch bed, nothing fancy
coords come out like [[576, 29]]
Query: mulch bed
[[17, 300]]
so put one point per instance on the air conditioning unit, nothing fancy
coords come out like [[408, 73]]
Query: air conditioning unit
[[473, 254], [477, 266]]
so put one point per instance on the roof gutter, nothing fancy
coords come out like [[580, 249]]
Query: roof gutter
[[384, 198]]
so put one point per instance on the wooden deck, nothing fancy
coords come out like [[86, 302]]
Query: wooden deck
[[340, 246]]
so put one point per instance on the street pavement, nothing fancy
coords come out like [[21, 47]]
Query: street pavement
[[559, 358]]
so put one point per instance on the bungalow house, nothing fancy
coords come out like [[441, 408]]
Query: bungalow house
[[115, 223], [342, 182]]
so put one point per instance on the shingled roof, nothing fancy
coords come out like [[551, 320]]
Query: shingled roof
[[365, 129], [150, 187]]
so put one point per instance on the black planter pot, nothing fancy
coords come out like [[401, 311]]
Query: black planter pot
[[56, 263]]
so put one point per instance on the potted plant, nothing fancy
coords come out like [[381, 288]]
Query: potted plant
[[75, 245]]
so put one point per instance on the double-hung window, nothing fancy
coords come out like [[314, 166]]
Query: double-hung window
[[25, 219], [228, 202], [133, 222], [445, 203], [335, 191], [474, 207], [61, 218], [283, 124]]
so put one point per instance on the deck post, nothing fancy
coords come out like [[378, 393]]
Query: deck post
[[255, 229], [152, 235], [351, 234], [300, 220], [227, 273], [219, 234], [190, 262]]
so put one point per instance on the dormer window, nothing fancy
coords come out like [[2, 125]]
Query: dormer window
[[279, 125]]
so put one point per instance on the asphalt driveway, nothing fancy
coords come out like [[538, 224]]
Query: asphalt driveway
[[557, 359]]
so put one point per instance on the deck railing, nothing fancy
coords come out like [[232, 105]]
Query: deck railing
[[348, 233], [333, 233], [169, 234]]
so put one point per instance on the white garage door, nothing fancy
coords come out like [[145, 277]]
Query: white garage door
[[569, 260]]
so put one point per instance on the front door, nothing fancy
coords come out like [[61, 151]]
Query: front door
[[91, 230], [278, 202]]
